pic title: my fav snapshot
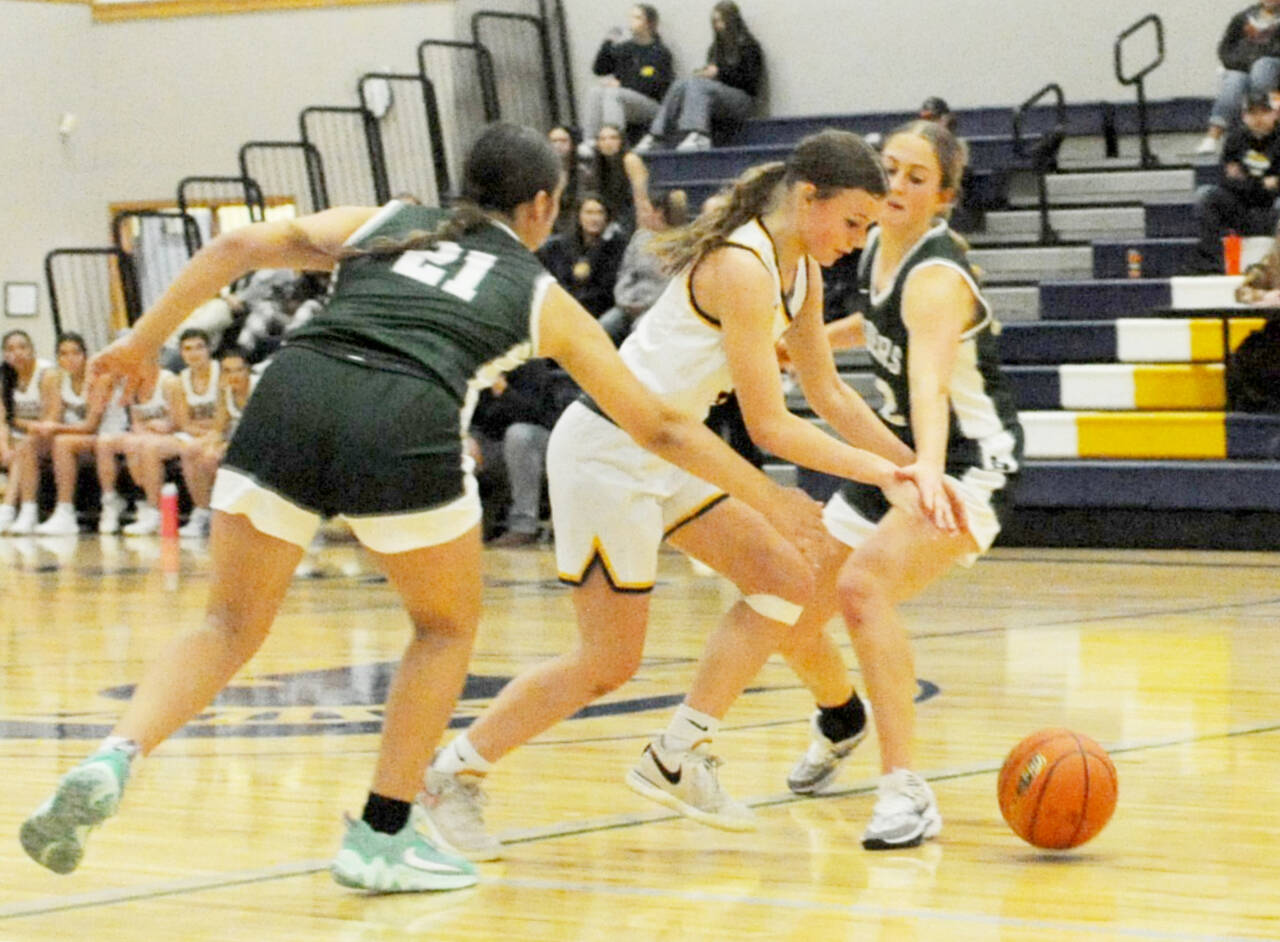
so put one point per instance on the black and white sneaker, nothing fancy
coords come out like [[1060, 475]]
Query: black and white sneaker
[[818, 766]]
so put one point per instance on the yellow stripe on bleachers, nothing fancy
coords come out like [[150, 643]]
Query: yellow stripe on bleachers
[[1241, 327], [1206, 339], [1152, 434], [1182, 386]]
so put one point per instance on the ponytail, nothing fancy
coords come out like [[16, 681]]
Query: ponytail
[[749, 196], [507, 165], [830, 160]]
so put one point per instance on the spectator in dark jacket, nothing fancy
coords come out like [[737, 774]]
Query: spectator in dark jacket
[[723, 89], [508, 441], [585, 261], [1250, 55], [619, 177], [1244, 202], [635, 72]]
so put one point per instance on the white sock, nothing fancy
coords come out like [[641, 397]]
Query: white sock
[[29, 507], [121, 744], [461, 756], [688, 728], [65, 507]]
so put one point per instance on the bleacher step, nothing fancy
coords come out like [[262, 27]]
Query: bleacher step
[[1071, 224]]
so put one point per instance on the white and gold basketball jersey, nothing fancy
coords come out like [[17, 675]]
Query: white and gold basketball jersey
[[676, 348]]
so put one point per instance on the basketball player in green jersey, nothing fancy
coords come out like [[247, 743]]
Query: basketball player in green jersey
[[361, 416], [930, 334]]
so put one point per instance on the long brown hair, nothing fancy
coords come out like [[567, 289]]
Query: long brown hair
[[727, 44], [830, 160], [506, 166]]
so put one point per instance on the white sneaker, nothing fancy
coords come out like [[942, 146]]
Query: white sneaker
[[1208, 144], [645, 144], [694, 140], [109, 518], [62, 522], [818, 766], [452, 813], [25, 522], [906, 813], [147, 522], [197, 527], [8, 513], [687, 782]]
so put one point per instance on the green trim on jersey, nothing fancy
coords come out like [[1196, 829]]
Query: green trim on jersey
[[445, 314]]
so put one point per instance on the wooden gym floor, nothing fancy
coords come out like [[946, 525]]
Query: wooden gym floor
[[1168, 659]]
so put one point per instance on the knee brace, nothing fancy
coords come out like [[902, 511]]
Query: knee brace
[[771, 606]]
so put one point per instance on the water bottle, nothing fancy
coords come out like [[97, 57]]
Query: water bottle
[[169, 510], [1133, 262]]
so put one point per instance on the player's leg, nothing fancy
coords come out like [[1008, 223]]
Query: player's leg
[[106, 454], [67, 452], [676, 768], [608, 525], [897, 561], [839, 720], [441, 587], [250, 572]]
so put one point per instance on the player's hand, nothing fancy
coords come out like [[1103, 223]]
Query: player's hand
[[798, 517], [126, 360], [939, 501]]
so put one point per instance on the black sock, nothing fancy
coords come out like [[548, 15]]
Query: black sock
[[840, 722], [385, 815]]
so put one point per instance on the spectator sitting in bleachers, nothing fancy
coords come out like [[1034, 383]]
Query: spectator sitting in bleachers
[[508, 441], [151, 415], [202, 455], [31, 396], [562, 142], [1250, 56], [193, 416], [724, 89], [619, 177], [636, 74], [71, 437], [585, 261], [271, 307], [1244, 202], [642, 275]]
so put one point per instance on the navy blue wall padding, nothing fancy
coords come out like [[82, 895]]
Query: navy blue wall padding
[[1103, 300], [1170, 116], [1142, 529], [1161, 258], [1058, 342], [1170, 220], [1154, 485], [1208, 174], [1251, 436], [1035, 387]]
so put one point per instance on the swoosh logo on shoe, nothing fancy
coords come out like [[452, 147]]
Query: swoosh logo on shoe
[[699, 725], [672, 777], [431, 866]]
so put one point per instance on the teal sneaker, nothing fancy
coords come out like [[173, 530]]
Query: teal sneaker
[[55, 834], [405, 862]]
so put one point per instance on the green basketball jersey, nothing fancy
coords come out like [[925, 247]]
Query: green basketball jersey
[[460, 313], [984, 430]]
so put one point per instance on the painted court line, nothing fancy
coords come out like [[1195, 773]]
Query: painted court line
[[55, 904]]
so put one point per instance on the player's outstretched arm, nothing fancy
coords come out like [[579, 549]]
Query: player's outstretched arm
[[310, 243]]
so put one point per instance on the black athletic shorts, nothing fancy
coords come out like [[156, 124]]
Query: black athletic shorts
[[338, 437]]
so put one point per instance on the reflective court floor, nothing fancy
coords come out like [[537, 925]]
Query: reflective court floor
[[1168, 659]]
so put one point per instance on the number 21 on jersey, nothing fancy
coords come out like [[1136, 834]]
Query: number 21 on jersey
[[448, 267]]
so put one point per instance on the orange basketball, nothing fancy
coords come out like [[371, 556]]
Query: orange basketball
[[1057, 789]]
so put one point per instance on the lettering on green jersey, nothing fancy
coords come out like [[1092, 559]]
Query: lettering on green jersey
[[466, 268]]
